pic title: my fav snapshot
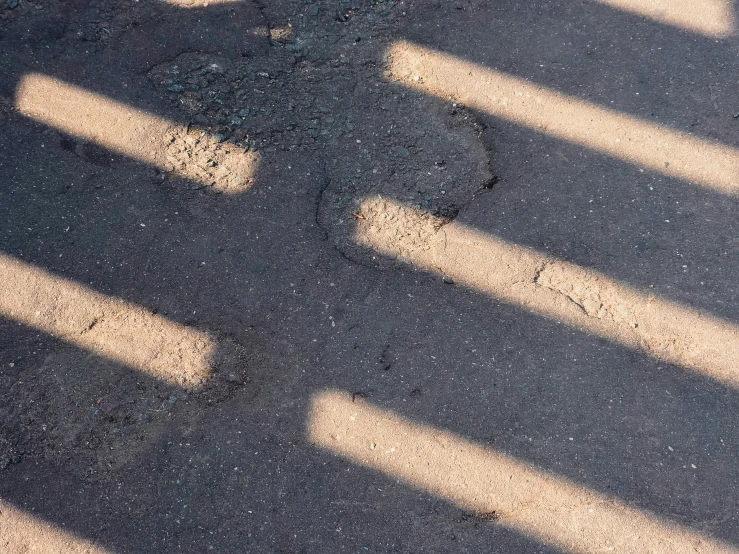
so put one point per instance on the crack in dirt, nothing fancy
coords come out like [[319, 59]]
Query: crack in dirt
[[594, 298]]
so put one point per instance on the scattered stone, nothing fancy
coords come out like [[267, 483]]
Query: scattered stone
[[200, 119], [8, 454], [487, 516], [12, 4], [401, 152], [209, 161]]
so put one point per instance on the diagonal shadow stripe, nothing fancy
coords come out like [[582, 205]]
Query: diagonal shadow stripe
[[493, 485], [667, 151], [135, 133], [104, 325], [198, 3], [20, 532], [713, 18], [582, 298]]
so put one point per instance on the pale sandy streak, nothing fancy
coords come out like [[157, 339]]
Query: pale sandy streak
[[134, 133], [551, 509], [200, 3], [547, 111], [23, 533], [91, 116], [104, 325], [713, 18], [559, 290]]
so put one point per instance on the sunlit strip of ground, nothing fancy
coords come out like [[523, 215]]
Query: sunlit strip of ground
[[199, 3], [616, 134], [134, 133], [565, 292], [713, 18], [22, 533], [493, 485], [104, 325]]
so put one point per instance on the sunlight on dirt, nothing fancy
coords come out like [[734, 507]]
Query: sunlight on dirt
[[713, 18], [547, 111], [199, 3], [565, 292], [493, 486], [21, 533], [104, 325], [188, 152]]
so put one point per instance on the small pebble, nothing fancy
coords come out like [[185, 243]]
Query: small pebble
[[200, 119]]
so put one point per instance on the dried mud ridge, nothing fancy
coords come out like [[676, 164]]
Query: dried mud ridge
[[593, 297]]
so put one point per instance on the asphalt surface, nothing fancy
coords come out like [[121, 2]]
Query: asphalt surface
[[105, 452]]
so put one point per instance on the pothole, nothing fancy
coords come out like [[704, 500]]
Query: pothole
[[431, 164]]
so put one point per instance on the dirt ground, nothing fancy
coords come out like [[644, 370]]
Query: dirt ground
[[501, 236]]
